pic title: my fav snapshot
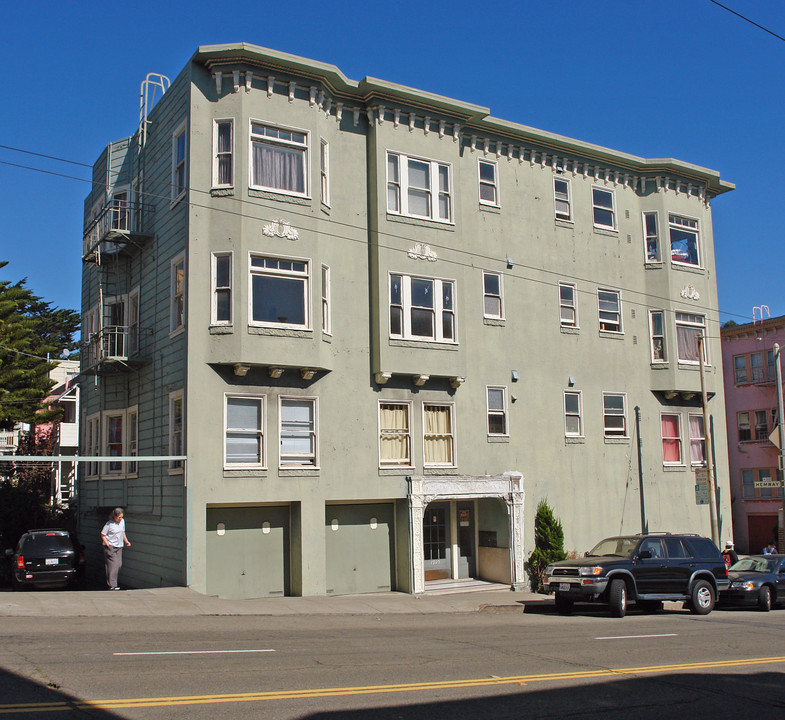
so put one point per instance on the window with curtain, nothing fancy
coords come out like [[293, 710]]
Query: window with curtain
[[223, 143], [298, 432], [279, 159], [244, 434], [439, 439], [671, 439], [395, 442], [697, 441], [688, 327]]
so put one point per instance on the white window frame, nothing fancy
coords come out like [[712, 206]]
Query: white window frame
[[219, 154], [570, 414], [125, 415], [651, 238], [280, 143], [502, 412], [121, 208], [596, 207], [683, 321], [179, 163], [176, 435], [451, 435], [400, 188], [408, 461], [324, 172], [327, 322], [652, 337], [493, 184], [611, 432], [696, 440], [92, 443], [560, 198], [680, 438], [260, 432], [177, 296], [304, 276], [132, 438], [689, 225], [217, 289], [438, 308], [564, 305], [486, 295], [310, 461], [619, 311]]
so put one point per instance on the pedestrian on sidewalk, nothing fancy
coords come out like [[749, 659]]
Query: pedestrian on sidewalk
[[113, 537], [729, 554]]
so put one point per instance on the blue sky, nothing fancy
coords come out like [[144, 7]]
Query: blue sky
[[656, 78]]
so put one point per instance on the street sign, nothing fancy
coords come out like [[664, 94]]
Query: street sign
[[701, 494], [767, 484]]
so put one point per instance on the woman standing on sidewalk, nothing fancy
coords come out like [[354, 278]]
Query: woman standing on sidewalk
[[113, 537]]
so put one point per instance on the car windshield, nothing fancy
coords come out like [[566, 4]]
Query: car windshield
[[621, 546], [754, 564]]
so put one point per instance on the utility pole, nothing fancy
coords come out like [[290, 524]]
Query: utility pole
[[781, 539], [715, 533]]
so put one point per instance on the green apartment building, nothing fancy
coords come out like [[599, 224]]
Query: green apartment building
[[343, 336]]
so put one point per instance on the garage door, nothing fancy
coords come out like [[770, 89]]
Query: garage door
[[247, 552], [359, 545]]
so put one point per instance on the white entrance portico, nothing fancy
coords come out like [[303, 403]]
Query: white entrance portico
[[424, 490]]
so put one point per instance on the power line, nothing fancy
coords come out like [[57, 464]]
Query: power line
[[746, 19], [296, 213]]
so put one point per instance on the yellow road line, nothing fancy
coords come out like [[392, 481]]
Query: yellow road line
[[372, 689]]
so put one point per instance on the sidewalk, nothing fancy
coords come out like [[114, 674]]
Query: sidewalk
[[181, 601]]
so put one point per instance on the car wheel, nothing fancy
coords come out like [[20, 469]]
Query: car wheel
[[764, 598], [702, 598], [650, 606], [563, 604], [617, 598]]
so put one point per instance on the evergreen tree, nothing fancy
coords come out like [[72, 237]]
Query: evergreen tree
[[30, 331], [548, 543]]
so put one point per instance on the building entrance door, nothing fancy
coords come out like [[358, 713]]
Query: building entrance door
[[466, 554], [436, 541]]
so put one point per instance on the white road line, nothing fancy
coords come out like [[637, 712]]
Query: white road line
[[631, 637], [192, 652]]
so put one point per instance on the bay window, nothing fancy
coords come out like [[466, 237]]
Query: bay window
[[671, 438], [697, 440], [422, 308], [685, 240], [688, 327], [223, 153], [418, 188], [279, 159], [280, 291]]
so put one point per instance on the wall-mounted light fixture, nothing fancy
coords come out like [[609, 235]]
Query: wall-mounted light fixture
[[571, 381], [515, 377]]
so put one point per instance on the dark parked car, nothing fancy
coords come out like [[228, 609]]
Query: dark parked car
[[47, 558], [757, 579], [646, 569]]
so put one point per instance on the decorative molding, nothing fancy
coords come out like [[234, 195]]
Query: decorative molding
[[420, 380], [282, 229], [236, 79], [382, 377], [688, 292], [423, 252], [456, 381], [249, 82]]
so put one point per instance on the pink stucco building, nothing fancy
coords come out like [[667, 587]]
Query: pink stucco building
[[748, 361]]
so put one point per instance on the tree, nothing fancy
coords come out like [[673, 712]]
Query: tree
[[548, 543], [30, 331]]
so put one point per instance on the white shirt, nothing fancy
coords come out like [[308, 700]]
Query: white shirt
[[114, 532]]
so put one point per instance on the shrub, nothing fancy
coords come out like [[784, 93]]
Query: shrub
[[548, 544]]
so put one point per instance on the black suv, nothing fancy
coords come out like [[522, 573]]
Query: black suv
[[47, 558], [646, 568]]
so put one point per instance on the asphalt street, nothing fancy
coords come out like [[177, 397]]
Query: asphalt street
[[490, 662]]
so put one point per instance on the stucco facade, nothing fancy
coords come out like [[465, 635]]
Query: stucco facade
[[749, 361], [381, 325]]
